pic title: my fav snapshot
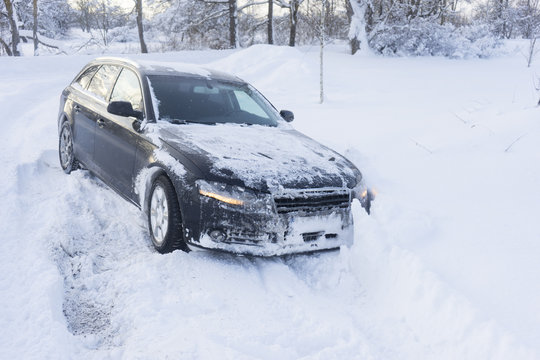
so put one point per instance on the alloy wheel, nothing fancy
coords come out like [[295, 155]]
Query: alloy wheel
[[159, 214], [66, 147]]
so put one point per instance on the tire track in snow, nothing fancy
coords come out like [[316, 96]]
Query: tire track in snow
[[100, 246], [328, 304], [115, 284], [81, 221], [375, 300]]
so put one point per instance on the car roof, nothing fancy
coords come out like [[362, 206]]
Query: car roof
[[153, 67]]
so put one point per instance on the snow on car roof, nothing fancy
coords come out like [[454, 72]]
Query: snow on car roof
[[152, 67]]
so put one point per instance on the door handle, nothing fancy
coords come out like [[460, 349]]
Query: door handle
[[101, 123], [77, 108]]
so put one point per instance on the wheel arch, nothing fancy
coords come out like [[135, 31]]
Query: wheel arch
[[145, 179], [144, 184], [62, 119]]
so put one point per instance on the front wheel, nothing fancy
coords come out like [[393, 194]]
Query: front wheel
[[164, 218], [65, 149]]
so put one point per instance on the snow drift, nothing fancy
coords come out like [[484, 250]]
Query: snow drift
[[445, 268]]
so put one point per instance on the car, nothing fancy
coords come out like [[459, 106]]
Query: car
[[208, 159]]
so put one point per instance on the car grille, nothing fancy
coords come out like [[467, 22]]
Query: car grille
[[316, 200]]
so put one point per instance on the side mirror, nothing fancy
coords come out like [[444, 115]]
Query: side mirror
[[137, 125], [287, 115], [123, 108]]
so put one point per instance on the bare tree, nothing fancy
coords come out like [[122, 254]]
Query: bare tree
[[270, 21], [293, 6], [139, 10], [12, 19], [85, 13], [232, 10], [4, 25], [35, 25], [233, 24], [322, 40], [528, 20], [107, 15], [5, 47]]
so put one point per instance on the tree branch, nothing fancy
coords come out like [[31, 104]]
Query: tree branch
[[215, 15], [422, 146], [282, 4], [6, 47], [240, 8], [513, 142]]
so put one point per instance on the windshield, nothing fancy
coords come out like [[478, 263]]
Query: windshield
[[186, 99]]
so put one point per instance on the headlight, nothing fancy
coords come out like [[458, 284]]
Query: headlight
[[362, 193], [236, 196]]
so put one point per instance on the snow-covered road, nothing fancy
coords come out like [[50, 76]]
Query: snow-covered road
[[445, 268]]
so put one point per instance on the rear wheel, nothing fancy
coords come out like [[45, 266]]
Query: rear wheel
[[65, 149], [164, 218]]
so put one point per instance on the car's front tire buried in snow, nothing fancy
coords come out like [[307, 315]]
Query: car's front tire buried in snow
[[164, 217]]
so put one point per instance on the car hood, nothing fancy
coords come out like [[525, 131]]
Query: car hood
[[264, 158]]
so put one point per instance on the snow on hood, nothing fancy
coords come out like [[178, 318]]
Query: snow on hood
[[262, 157]]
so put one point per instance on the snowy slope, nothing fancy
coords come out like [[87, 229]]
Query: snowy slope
[[445, 268]]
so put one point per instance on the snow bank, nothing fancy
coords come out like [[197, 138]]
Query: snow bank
[[445, 268], [267, 67]]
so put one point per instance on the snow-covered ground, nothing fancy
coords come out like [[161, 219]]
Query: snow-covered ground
[[447, 266]]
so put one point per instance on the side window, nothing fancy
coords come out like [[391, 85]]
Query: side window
[[85, 77], [103, 80], [127, 88], [247, 103]]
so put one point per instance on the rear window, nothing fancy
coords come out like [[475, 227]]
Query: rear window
[[102, 82]]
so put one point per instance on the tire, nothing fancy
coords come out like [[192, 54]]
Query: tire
[[164, 217], [68, 162]]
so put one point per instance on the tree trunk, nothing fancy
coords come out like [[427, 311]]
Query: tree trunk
[[500, 14], [357, 29], [232, 24], [15, 38], [369, 18], [138, 6], [443, 11], [322, 35], [294, 19], [532, 43], [6, 47], [270, 21], [35, 26]]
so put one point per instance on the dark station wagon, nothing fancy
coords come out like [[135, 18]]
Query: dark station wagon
[[208, 159]]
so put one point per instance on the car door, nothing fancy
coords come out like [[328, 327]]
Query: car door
[[90, 106], [83, 119], [116, 140]]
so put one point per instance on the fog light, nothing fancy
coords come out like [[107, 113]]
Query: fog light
[[217, 235]]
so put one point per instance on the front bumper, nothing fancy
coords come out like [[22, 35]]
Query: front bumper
[[271, 233]]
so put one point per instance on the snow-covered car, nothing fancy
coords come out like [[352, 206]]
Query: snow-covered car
[[208, 159]]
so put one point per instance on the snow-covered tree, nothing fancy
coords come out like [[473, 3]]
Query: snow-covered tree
[[356, 12], [55, 17], [107, 16], [85, 13]]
